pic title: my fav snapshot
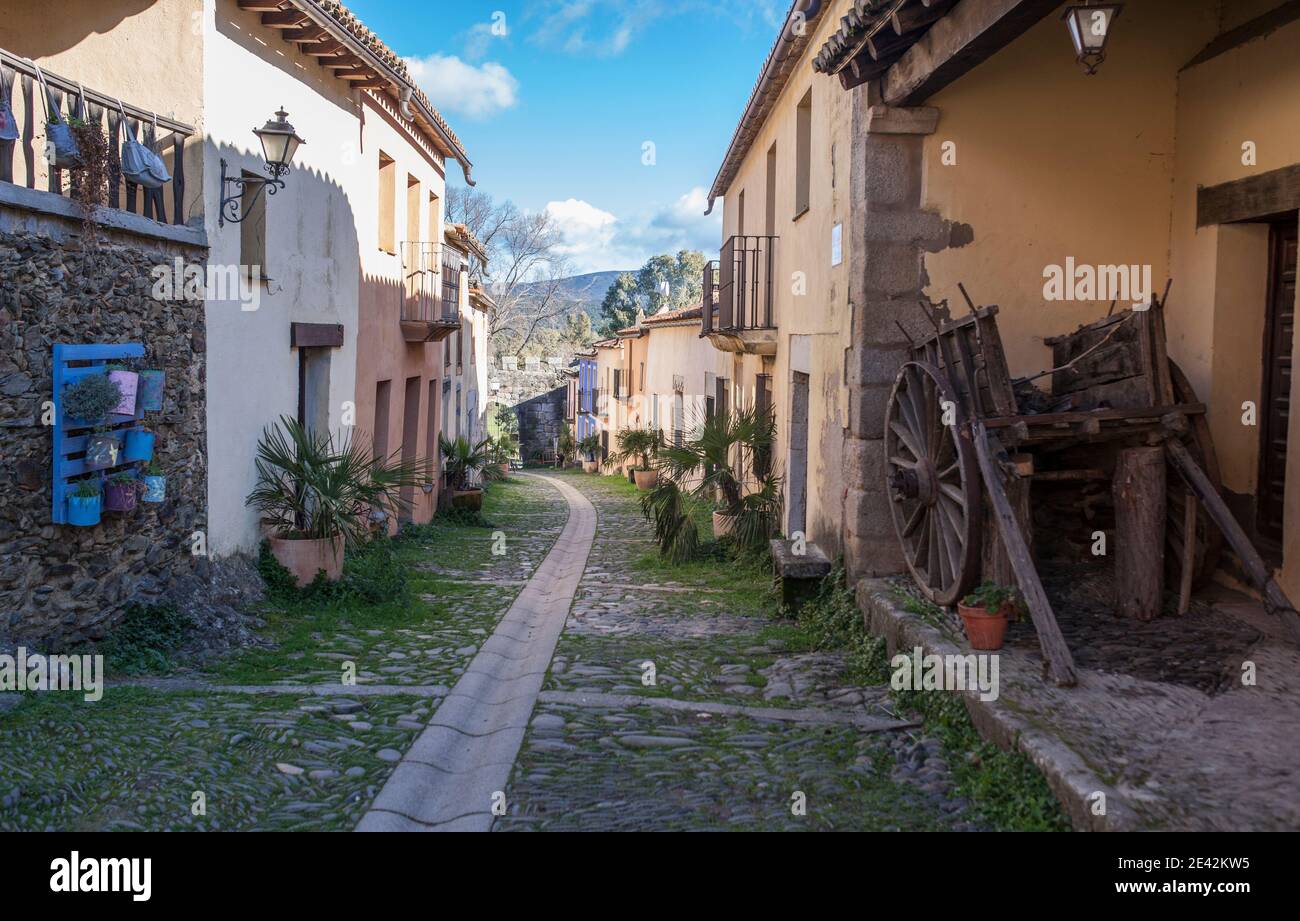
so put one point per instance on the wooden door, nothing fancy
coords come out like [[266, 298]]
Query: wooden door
[[1275, 410]]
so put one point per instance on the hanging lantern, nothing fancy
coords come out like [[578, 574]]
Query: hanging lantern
[[1089, 26]]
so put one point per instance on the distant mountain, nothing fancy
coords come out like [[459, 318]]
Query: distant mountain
[[588, 290]]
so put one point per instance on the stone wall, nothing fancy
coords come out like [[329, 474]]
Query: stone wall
[[540, 421], [61, 583]]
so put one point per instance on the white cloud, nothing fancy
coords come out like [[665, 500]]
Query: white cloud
[[453, 85], [596, 240]]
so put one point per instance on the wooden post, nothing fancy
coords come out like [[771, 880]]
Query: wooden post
[[1190, 509], [1139, 488], [1275, 600], [1060, 664]]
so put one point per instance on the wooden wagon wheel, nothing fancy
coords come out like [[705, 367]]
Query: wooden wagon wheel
[[933, 480], [1209, 539]]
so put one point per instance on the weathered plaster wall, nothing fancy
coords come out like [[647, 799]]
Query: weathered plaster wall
[[540, 420], [812, 295], [313, 259], [382, 353], [60, 583]]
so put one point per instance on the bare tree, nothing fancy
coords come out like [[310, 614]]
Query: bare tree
[[526, 263]]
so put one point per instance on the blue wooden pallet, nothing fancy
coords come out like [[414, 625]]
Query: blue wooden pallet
[[71, 363]]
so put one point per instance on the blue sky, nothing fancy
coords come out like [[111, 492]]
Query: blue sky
[[556, 113]]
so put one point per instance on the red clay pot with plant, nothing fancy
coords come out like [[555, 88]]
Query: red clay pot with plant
[[984, 613], [646, 480]]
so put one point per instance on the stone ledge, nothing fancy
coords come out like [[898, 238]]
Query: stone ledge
[[1067, 774], [896, 120], [50, 204], [812, 564]]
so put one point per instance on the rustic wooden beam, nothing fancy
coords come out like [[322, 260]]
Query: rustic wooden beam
[[1056, 653], [361, 73], [342, 62], [1188, 562], [260, 6], [310, 34], [315, 335], [1249, 199], [284, 19], [1139, 490], [964, 38], [323, 49], [1259, 27], [1275, 600]]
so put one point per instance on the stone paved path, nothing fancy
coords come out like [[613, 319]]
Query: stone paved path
[[449, 778], [551, 726]]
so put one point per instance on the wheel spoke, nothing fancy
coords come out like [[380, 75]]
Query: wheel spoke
[[953, 493], [908, 439], [914, 521]]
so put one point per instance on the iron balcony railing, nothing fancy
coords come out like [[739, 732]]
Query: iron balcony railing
[[22, 161], [738, 288], [422, 299]]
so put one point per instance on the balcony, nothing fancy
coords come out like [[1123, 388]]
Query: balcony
[[739, 297], [428, 314], [28, 181]]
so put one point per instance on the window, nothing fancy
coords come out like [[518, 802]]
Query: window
[[803, 156], [314, 388], [387, 203], [410, 438], [252, 232], [460, 349], [642, 384], [413, 198], [383, 394], [762, 461], [435, 219], [770, 204], [740, 214]]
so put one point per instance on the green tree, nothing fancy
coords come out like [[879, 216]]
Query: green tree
[[675, 282], [622, 301]]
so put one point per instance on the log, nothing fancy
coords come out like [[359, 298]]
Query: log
[[1275, 600], [1188, 570], [1060, 664], [1139, 489]]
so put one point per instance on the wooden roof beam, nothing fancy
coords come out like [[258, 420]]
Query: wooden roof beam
[[286, 19], [260, 6]]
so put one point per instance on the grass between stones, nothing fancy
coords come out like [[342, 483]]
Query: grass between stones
[[136, 758]]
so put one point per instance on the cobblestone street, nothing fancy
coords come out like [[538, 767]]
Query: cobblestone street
[[674, 699]]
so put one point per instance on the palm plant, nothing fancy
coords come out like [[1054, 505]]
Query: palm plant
[[566, 445], [312, 487], [461, 460], [706, 468], [503, 448], [590, 446], [637, 445]]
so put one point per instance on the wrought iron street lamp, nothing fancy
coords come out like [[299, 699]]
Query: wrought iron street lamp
[[1089, 25], [279, 143]]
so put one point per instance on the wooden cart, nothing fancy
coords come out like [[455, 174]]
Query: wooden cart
[[961, 453]]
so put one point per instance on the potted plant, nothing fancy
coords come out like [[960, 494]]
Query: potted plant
[[636, 447], [128, 382], [138, 447], [460, 462], [566, 446], [155, 483], [152, 386], [121, 492], [589, 447], [315, 495], [503, 449], [87, 402], [707, 466], [985, 612], [85, 503]]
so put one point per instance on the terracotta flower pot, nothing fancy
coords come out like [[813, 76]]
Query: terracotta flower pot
[[646, 480], [722, 525], [985, 630], [306, 558], [469, 500], [505, 470], [590, 466]]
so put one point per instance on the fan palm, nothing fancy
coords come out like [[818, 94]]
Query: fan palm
[[637, 444], [461, 460], [312, 487]]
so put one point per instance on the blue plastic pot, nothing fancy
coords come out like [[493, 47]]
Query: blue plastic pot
[[155, 489], [151, 390], [84, 512], [139, 447]]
